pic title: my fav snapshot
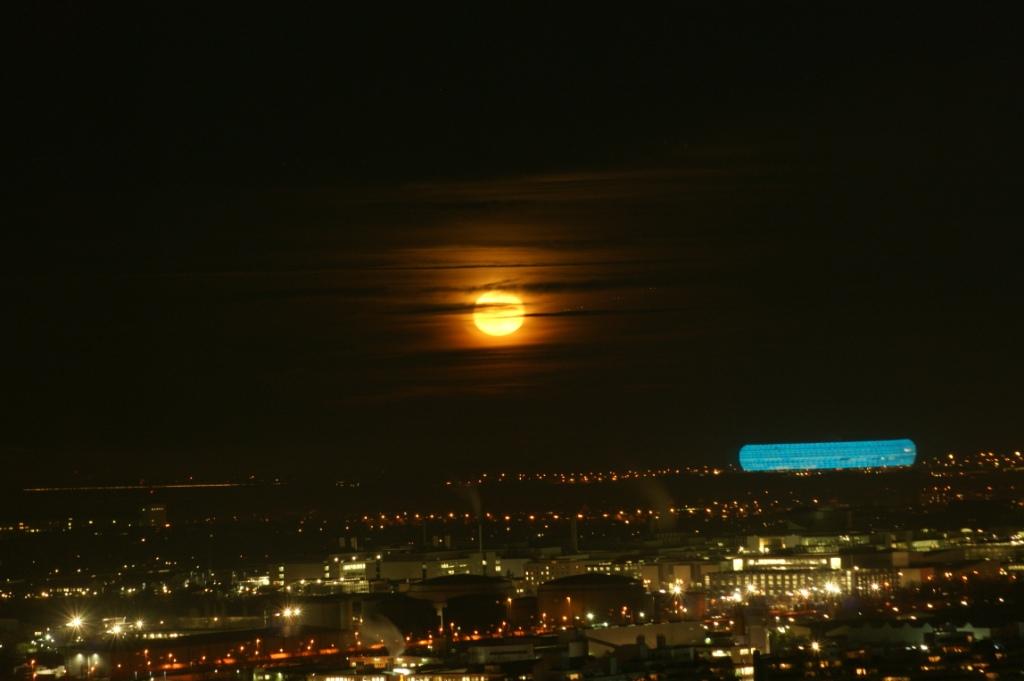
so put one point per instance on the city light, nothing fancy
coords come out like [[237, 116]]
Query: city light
[[798, 576]]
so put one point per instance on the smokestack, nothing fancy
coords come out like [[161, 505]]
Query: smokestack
[[574, 535], [480, 536]]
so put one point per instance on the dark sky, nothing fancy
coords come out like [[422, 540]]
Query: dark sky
[[243, 242]]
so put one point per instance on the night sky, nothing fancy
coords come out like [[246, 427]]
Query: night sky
[[251, 243]]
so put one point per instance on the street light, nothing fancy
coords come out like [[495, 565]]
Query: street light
[[75, 624]]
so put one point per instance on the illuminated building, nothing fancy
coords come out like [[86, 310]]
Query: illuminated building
[[797, 576], [539, 571], [779, 576], [404, 568], [828, 455]]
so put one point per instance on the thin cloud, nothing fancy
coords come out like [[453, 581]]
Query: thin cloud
[[570, 187], [466, 308], [561, 286]]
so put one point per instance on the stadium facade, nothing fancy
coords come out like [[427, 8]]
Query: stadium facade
[[828, 455]]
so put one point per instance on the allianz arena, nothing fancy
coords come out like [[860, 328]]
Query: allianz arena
[[828, 455]]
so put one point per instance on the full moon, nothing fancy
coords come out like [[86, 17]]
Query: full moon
[[498, 313]]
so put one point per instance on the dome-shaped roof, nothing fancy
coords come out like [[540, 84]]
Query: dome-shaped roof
[[439, 589]]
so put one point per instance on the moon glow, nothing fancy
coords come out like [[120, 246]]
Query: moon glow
[[498, 313]]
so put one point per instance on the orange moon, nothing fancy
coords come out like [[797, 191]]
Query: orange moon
[[498, 313]]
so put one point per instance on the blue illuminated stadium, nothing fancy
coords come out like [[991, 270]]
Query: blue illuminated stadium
[[828, 455]]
